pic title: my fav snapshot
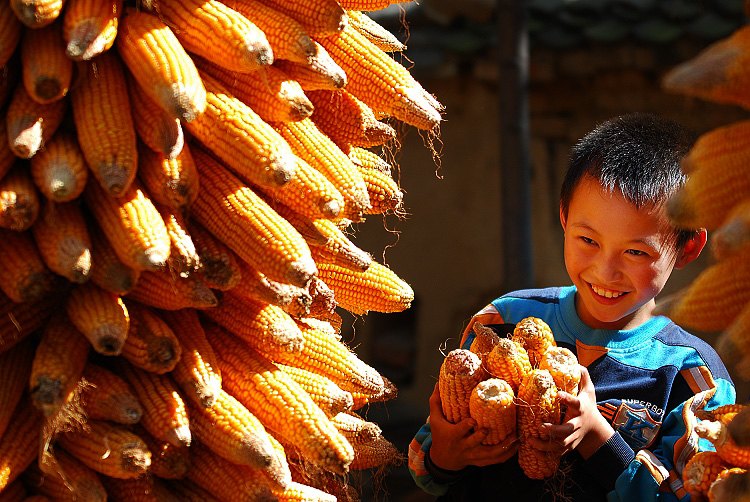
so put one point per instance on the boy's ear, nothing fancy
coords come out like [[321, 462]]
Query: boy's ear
[[692, 248], [563, 218]]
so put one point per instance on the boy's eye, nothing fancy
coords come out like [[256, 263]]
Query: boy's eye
[[636, 252], [587, 240]]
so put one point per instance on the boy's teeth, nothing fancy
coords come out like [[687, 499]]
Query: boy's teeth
[[605, 292]]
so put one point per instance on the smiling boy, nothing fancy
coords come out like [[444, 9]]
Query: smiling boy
[[626, 435]]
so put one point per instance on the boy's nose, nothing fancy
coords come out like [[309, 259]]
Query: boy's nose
[[608, 270]]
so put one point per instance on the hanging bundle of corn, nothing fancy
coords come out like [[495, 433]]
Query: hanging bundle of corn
[[177, 184]]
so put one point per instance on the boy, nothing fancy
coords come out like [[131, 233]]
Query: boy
[[624, 436]]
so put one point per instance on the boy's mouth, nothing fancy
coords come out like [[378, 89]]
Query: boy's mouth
[[606, 293]]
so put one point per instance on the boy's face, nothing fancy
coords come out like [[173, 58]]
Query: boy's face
[[618, 256]]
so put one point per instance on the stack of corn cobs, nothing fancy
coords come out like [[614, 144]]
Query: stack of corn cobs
[[510, 385], [176, 194], [717, 197]]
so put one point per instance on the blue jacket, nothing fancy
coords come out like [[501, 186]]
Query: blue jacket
[[648, 382]]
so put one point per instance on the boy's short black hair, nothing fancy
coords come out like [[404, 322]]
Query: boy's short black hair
[[637, 154]]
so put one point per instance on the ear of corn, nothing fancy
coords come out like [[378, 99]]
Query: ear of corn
[[384, 193], [320, 71], [563, 366], [62, 237], [329, 397], [65, 478], [47, 70], [106, 396], [220, 267], [160, 64], [535, 336], [700, 471], [460, 372], [183, 257], [143, 489], [23, 276], [15, 368], [368, 5], [374, 32], [172, 182], [20, 443], [10, 32], [730, 485], [484, 341], [212, 29], [155, 127], [7, 157], [90, 27], [167, 291], [367, 159], [106, 134], [167, 460], [101, 316], [376, 453], [717, 433], [19, 200], [37, 13], [59, 170], [188, 491], [318, 17], [492, 405], [19, 320], [151, 344], [30, 125], [257, 288], [537, 398], [107, 271], [734, 233]]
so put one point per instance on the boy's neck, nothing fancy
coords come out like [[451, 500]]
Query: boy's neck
[[631, 321]]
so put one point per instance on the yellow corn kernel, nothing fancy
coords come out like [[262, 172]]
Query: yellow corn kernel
[[20, 444], [460, 372], [170, 182], [368, 5], [166, 291], [23, 276], [30, 125], [60, 357], [318, 17], [700, 471], [197, 371], [132, 225], [151, 344], [368, 160], [374, 32], [378, 288], [508, 360], [10, 33], [228, 209], [19, 200], [160, 64], [106, 134], [107, 271], [101, 316], [15, 368], [59, 170], [384, 193], [238, 136], [37, 13], [492, 405], [535, 336], [320, 71], [213, 30], [484, 341], [47, 70], [329, 397], [19, 320], [537, 404], [62, 238], [109, 449], [156, 128], [220, 267], [281, 405], [564, 368], [106, 396], [90, 27]]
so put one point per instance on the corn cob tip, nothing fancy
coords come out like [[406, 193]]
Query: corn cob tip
[[47, 88], [416, 109], [331, 208], [156, 257], [679, 208], [301, 271]]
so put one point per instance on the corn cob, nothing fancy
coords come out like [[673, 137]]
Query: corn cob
[[151, 344], [280, 404], [734, 233], [348, 121], [231, 431], [717, 73], [258, 324], [220, 267], [460, 372], [383, 191], [20, 443], [15, 368], [108, 449], [172, 182], [376, 453], [700, 471], [63, 240], [65, 479], [311, 144], [287, 38], [157, 129], [238, 136], [269, 92], [535, 336], [101, 316], [564, 368], [132, 226], [30, 125], [167, 460], [10, 33], [183, 257], [369, 160], [106, 133], [378, 288], [716, 431], [165, 414], [537, 404], [107, 271], [492, 405], [368, 5], [106, 396], [9, 78], [256, 287], [323, 303], [329, 397], [379, 81], [318, 72], [374, 32], [188, 491], [354, 428], [47, 71], [292, 492], [484, 341], [197, 371], [165, 291], [143, 489], [318, 17], [731, 485], [59, 170], [716, 297], [18, 320], [212, 29], [7, 157], [23, 276], [161, 65], [90, 28], [37, 13], [19, 200], [223, 479], [59, 360], [228, 209]]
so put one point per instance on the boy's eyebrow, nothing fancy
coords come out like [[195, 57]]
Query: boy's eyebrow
[[645, 241]]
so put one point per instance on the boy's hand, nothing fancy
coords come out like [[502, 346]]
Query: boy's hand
[[583, 427], [455, 446]]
